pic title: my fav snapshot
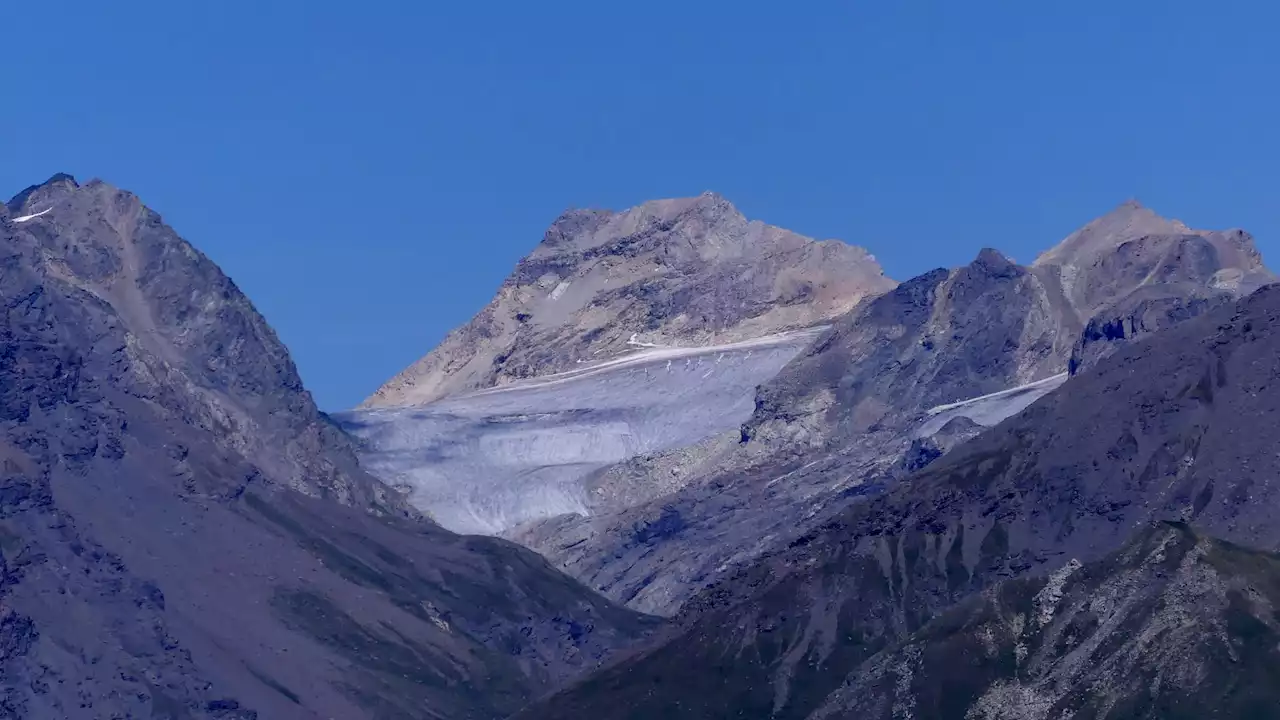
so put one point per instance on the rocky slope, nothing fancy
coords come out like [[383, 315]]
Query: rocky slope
[[683, 272], [891, 386], [1176, 427], [183, 534], [995, 325], [1173, 625]]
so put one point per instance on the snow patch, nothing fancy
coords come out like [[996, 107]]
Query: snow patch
[[634, 340], [991, 409], [27, 218], [1053, 381], [493, 459], [559, 289]]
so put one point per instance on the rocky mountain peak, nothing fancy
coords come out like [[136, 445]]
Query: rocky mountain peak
[[993, 262], [700, 222], [39, 198], [1128, 221], [182, 533], [194, 341], [1131, 248], [710, 206], [677, 272]]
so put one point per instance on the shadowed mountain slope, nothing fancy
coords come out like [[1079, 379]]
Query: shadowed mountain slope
[[183, 534], [1172, 625]]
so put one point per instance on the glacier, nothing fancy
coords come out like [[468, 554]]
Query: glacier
[[486, 461]]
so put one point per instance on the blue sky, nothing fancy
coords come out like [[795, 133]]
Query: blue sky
[[370, 172]]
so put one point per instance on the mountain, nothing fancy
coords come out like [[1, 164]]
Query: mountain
[[622, 335], [994, 325], [191, 342], [1132, 271], [688, 271], [1172, 625], [1176, 427], [889, 387], [183, 534]]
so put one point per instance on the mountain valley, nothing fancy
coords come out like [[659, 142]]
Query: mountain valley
[[908, 372], [684, 465]]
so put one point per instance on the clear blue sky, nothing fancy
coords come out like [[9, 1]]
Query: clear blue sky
[[369, 172]]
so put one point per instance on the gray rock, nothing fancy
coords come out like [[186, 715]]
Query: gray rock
[[183, 534], [1174, 624], [1175, 428]]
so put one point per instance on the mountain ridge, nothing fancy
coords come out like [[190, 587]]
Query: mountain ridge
[[183, 534], [684, 271], [850, 415], [1170, 428]]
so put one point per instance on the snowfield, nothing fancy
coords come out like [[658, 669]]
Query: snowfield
[[990, 410], [489, 460]]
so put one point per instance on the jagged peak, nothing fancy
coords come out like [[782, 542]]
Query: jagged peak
[[36, 198], [708, 206], [1127, 221], [992, 258], [582, 228]]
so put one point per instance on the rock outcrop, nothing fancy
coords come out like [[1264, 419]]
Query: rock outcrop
[[1175, 428], [1174, 624]]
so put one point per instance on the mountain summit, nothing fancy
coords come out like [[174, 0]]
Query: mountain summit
[[1131, 247], [686, 271]]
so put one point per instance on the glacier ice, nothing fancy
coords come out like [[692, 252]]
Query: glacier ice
[[489, 460]]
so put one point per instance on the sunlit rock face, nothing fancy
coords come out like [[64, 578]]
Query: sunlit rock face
[[680, 272]]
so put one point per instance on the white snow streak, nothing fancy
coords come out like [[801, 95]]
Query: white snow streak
[[634, 340], [1054, 380], [26, 218]]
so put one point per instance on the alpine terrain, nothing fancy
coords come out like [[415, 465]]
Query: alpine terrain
[[746, 476], [622, 334], [651, 472], [184, 535], [1105, 553]]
